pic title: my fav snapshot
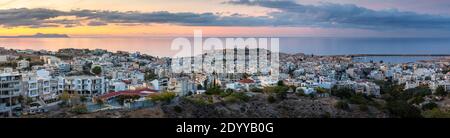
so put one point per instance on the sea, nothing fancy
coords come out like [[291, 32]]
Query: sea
[[160, 46]]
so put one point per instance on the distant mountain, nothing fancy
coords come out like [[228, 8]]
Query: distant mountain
[[38, 35]]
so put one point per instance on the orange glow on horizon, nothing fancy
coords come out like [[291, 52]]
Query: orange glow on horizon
[[160, 30]]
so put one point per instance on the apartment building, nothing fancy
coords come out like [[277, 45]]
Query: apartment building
[[10, 90], [40, 85], [83, 85]]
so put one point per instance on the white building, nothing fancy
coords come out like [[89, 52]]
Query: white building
[[23, 64], [40, 86], [116, 86], [83, 85], [181, 86], [10, 90]]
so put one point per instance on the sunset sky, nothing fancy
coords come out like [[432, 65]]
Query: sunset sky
[[132, 18]]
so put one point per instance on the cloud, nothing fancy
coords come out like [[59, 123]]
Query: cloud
[[285, 13], [97, 23], [26, 17], [291, 13], [45, 17], [182, 18]]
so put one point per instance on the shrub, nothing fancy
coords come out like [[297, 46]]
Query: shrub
[[436, 113], [122, 98], [342, 93], [300, 94], [271, 99], [163, 97], [342, 105], [224, 94], [83, 99], [321, 90], [97, 70], [213, 91], [402, 109], [99, 101], [440, 91], [177, 109], [80, 109], [198, 101], [255, 89], [363, 107], [429, 106], [237, 96]]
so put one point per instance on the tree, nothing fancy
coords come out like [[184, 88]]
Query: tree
[[65, 97], [271, 99], [280, 83], [150, 76], [163, 97], [97, 70], [436, 113], [99, 101], [213, 91], [83, 99], [429, 106], [402, 109], [123, 98], [440, 91], [342, 92], [321, 90], [342, 105], [245, 76], [363, 107], [300, 93], [80, 109]]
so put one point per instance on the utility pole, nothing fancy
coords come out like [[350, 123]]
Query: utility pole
[[10, 103]]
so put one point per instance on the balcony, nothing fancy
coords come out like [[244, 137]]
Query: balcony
[[7, 95], [4, 108]]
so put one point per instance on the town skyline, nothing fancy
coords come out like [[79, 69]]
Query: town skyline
[[306, 18]]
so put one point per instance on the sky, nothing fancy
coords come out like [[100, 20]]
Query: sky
[[304, 18]]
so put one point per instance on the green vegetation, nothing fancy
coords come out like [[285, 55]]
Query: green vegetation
[[429, 106], [275, 89], [321, 90], [177, 109], [255, 89], [440, 91], [10, 64], [83, 99], [271, 99], [300, 93], [99, 101], [436, 113], [202, 100], [64, 97], [342, 105], [97, 70], [150, 76], [280, 90], [360, 99], [123, 98], [236, 97], [402, 109], [342, 92], [280, 83], [214, 91], [163, 97], [400, 102], [363, 107], [80, 109]]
